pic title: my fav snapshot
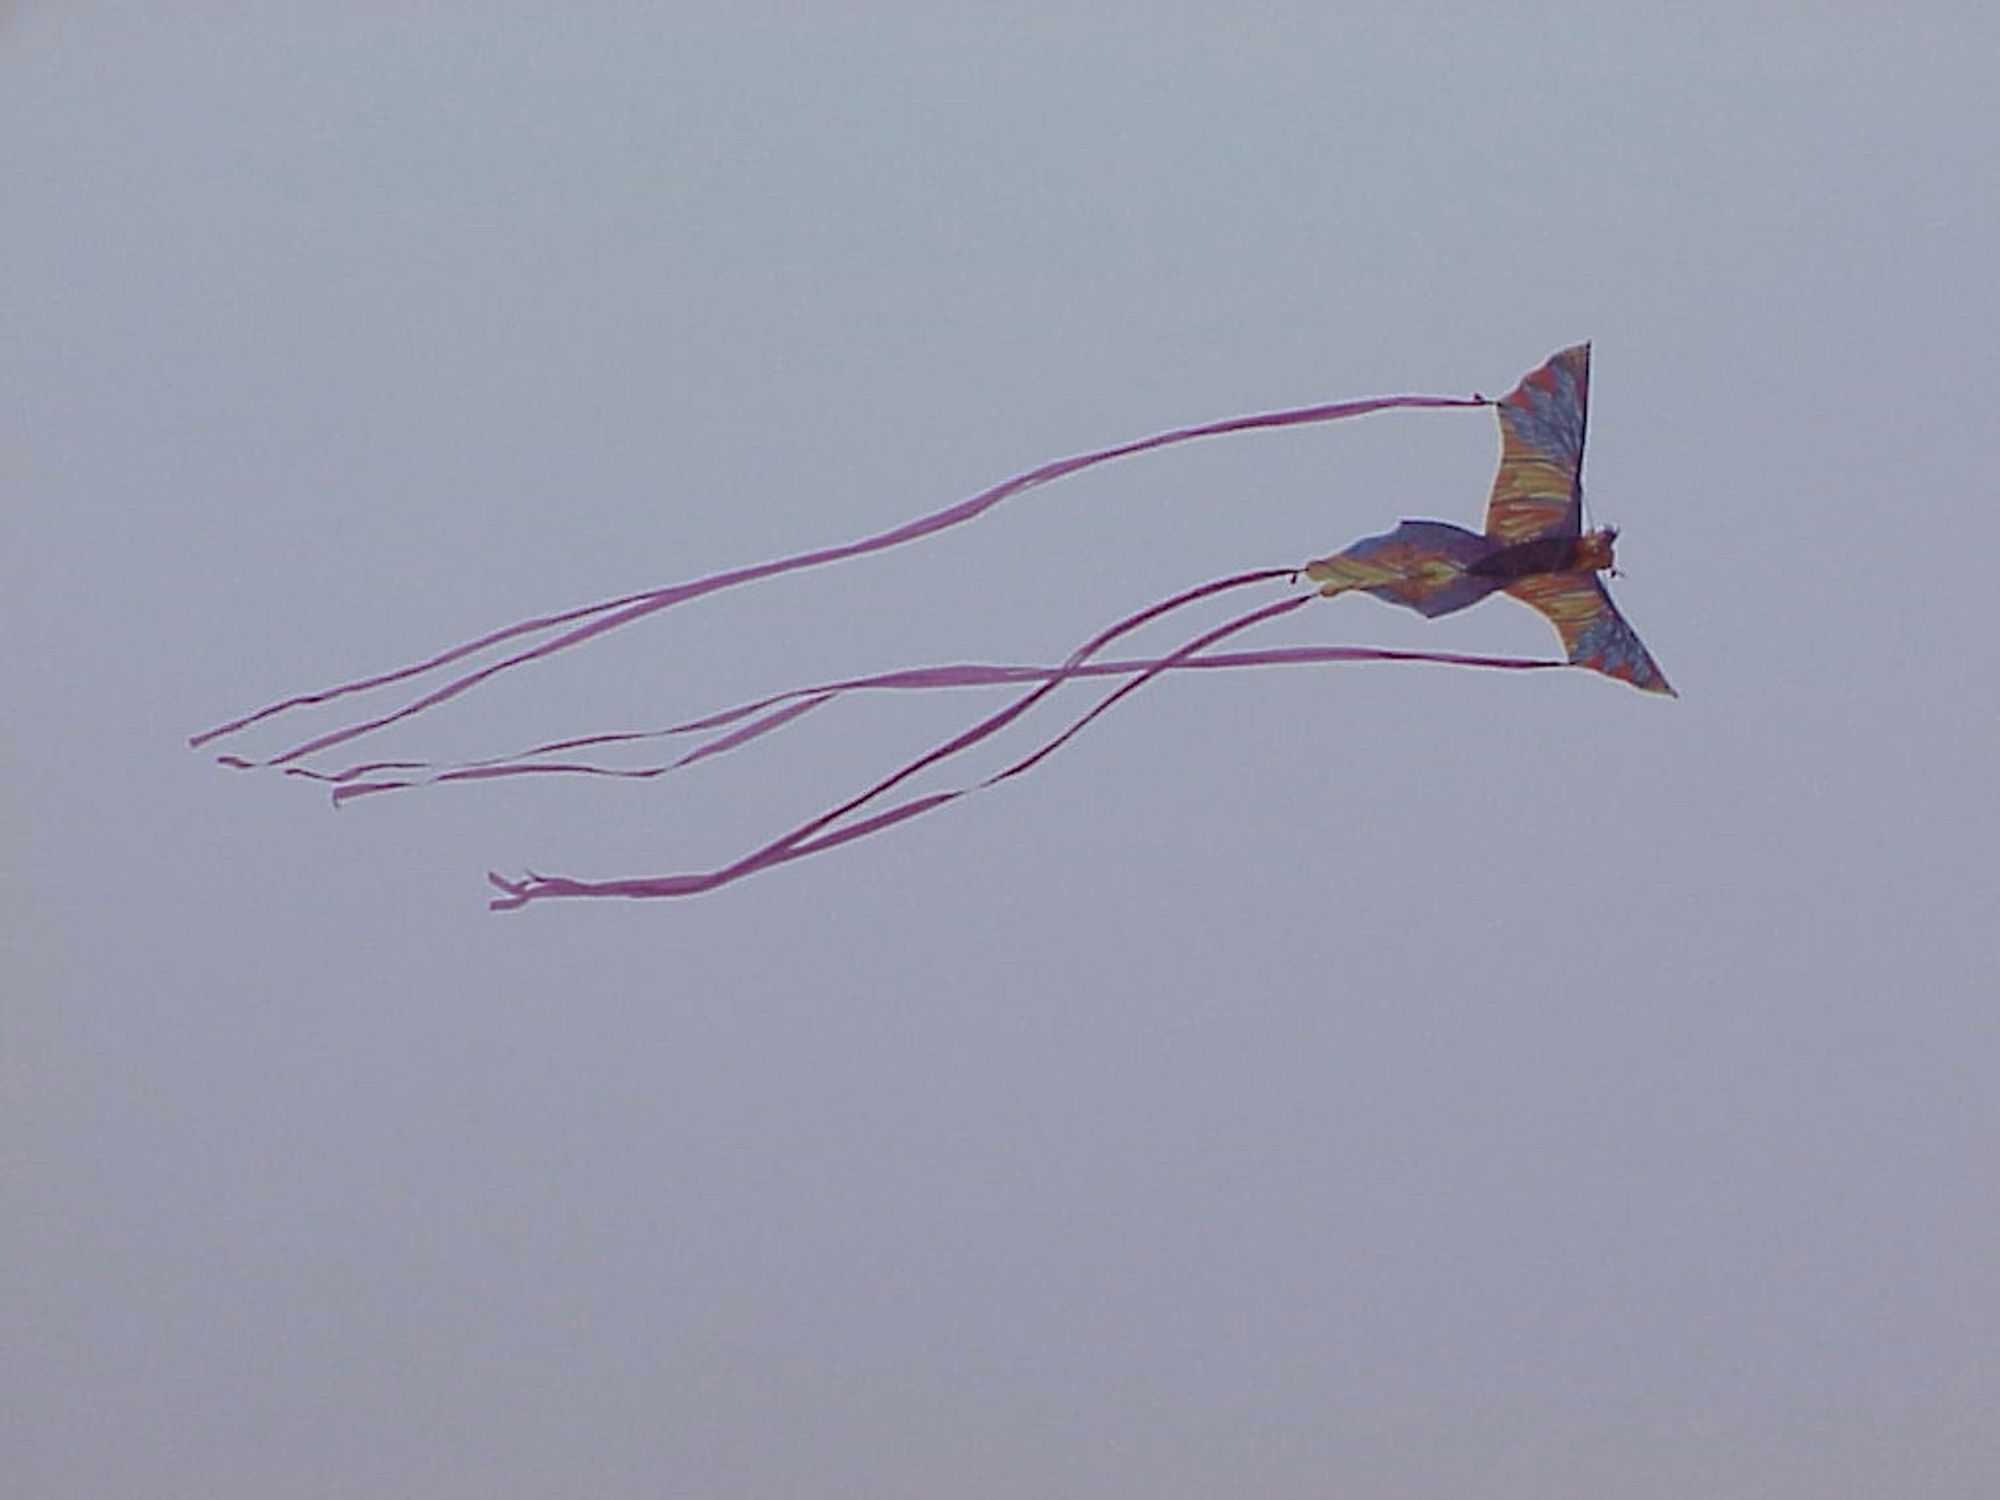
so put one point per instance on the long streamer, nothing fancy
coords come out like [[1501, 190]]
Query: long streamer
[[824, 831], [779, 709], [591, 620], [820, 832]]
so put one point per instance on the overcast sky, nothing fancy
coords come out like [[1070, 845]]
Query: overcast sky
[[1361, 1081]]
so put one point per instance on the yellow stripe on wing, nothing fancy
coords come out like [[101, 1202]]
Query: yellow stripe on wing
[[1537, 490]]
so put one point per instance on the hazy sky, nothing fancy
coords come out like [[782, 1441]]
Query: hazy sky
[[1365, 1081]]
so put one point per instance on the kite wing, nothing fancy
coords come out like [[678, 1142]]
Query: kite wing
[[1539, 489], [1593, 632]]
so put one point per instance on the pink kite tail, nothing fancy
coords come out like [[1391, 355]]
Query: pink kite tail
[[819, 833], [590, 620], [367, 778], [347, 783]]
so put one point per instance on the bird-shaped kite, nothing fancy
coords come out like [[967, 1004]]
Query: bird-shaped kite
[[1533, 548]]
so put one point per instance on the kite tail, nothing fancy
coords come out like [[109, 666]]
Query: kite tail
[[774, 712], [823, 831], [572, 627]]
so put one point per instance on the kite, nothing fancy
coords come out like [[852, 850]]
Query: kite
[[1533, 548]]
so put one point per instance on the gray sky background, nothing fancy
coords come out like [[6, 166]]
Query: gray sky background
[[1363, 1081]]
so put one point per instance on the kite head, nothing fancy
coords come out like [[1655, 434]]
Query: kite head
[[1593, 550]]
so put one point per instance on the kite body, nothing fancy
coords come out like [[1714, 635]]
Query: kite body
[[1533, 548]]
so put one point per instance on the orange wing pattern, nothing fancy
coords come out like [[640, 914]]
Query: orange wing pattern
[[1593, 633], [1539, 489]]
